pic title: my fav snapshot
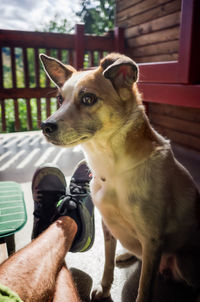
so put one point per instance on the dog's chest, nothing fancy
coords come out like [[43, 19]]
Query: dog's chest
[[112, 200]]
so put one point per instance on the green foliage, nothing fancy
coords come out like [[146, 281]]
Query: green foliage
[[98, 16], [57, 25]]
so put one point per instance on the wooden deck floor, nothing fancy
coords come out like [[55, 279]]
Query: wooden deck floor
[[21, 153]]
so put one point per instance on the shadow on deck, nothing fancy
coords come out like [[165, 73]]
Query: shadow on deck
[[21, 153]]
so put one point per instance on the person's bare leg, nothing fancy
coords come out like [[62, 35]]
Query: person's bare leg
[[32, 271], [65, 290]]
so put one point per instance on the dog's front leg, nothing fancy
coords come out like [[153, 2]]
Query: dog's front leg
[[103, 290], [151, 255]]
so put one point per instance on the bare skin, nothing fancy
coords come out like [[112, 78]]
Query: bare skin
[[37, 272]]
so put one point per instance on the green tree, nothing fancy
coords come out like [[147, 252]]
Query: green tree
[[98, 16], [57, 25]]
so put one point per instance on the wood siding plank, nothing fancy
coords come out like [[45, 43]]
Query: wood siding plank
[[170, 34], [139, 8], [168, 47], [160, 11], [154, 25], [187, 127], [121, 5], [155, 58], [188, 114], [179, 138]]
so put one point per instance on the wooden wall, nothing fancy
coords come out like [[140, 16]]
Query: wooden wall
[[179, 124], [152, 35], [151, 28]]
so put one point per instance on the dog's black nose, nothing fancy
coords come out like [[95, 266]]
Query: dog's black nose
[[49, 128]]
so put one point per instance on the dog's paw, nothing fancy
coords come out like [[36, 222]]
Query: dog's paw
[[123, 256], [125, 259], [99, 293]]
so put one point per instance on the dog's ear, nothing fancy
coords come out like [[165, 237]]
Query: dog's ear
[[121, 70], [57, 71]]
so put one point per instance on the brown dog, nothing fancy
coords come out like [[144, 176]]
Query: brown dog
[[148, 200]]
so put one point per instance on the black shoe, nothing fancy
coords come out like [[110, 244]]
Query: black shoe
[[48, 186], [51, 202], [80, 190]]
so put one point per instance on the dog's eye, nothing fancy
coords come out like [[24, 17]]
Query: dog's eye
[[89, 99], [60, 99]]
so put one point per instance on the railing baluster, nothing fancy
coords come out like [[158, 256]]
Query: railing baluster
[[39, 118], [100, 55], [1, 69], [48, 107], [71, 57], [3, 115], [91, 58], [17, 120], [29, 116], [26, 71], [59, 55], [47, 78], [13, 66], [37, 67]]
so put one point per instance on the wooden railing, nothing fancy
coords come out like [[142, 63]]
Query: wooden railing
[[22, 80]]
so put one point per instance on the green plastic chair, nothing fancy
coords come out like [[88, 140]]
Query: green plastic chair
[[13, 215]]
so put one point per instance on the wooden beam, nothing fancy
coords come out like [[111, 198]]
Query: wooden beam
[[163, 72], [174, 94], [11, 93], [26, 39]]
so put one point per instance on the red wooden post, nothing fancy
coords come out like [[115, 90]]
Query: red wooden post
[[79, 46], [119, 40], [189, 59]]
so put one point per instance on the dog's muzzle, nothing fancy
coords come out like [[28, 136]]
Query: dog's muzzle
[[49, 128]]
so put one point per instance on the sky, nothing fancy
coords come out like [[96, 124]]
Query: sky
[[31, 15]]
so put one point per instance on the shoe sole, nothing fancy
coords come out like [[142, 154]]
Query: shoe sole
[[44, 170]]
